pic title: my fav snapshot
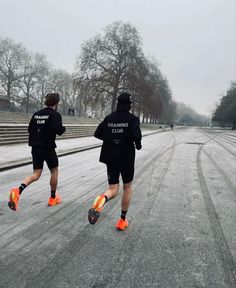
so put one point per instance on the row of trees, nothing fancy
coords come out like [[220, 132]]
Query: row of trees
[[26, 77], [225, 113], [113, 62], [185, 115], [108, 64]]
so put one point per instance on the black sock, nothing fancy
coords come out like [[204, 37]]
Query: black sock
[[123, 214], [53, 194], [106, 199], [22, 187]]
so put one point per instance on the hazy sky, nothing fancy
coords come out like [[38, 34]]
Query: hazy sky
[[193, 40]]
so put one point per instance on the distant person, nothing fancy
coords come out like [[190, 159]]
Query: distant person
[[69, 111], [72, 111], [43, 127], [119, 131], [171, 126]]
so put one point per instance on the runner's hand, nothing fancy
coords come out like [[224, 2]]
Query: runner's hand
[[138, 146]]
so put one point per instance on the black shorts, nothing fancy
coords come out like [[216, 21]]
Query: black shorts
[[40, 155], [114, 172]]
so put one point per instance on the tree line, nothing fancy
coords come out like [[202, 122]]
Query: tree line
[[187, 116], [225, 113], [26, 78], [108, 64]]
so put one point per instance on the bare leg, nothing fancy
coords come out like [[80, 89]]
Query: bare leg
[[94, 212], [112, 191], [15, 192], [32, 178], [55, 198], [127, 193], [122, 223], [54, 178]]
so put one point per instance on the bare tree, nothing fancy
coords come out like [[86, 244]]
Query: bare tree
[[106, 58], [33, 66], [43, 83], [225, 111], [62, 82], [113, 62], [11, 63]]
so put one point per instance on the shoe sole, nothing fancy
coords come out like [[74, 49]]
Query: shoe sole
[[93, 216], [12, 205], [54, 204], [118, 228]]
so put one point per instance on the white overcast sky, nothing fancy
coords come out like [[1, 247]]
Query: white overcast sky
[[193, 40]]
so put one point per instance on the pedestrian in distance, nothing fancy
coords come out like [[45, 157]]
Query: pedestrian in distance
[[121, 134], [44, 125]]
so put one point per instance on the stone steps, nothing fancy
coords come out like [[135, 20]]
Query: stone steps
[[19, 134], [24, 118]]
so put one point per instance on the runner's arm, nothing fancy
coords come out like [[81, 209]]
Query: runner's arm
[[30, 125], [136, 133], [56, 124], [99, 131]]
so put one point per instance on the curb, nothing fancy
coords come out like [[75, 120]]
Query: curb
[[60, 154], [28, 161]]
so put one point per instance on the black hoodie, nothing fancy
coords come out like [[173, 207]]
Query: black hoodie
[[119, 131], [43, 128]]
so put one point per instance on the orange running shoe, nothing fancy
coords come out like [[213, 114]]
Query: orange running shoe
[[95, 211], [122, 224], [54, 201], [14, 198]]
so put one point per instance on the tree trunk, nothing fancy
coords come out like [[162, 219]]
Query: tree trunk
[[234, 124], [139, 107], [113, 103], [143, 119], [27, 100], [9, 91]]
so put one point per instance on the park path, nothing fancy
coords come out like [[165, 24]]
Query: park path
[[182, 230]]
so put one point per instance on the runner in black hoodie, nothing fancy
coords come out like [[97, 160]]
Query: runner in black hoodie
[[43, 128], [121, 134]]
